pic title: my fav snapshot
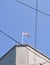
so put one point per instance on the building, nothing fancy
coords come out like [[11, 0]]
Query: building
[[24, 55]]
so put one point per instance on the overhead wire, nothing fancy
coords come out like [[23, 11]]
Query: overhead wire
[[37, 10], [32, 8], [10, 37], [36, 21]]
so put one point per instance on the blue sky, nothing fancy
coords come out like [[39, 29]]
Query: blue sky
[[16, 18]]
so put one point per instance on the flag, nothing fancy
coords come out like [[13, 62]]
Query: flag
[[26, 34]]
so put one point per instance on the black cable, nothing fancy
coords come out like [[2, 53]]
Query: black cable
[[36, 20], [10, 37], [32, 7]]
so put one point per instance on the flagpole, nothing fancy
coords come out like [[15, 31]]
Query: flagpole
[[24, 33], [22, 39]]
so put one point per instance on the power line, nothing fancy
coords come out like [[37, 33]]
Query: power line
[[10, 37], [36, 21], [36, 9], [32, 7]]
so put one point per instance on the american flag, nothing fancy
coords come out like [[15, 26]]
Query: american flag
[[26, 34]]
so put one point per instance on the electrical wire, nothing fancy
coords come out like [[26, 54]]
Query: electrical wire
[[36, 9], [10, 37], [32, 7], [36, 21]]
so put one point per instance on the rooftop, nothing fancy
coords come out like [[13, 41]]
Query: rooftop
[[24, 46]]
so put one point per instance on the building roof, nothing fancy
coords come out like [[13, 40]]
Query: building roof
[[24, 46]]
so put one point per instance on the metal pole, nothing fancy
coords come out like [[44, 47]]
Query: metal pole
[[22, 39]]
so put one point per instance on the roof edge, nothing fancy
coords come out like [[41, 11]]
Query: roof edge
[[23, 46], [7, 52]]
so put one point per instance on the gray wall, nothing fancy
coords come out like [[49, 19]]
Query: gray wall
[[9, 59]]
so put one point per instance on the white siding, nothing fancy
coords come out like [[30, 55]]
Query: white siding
[[40, 59], [24, 55], [21, 56]]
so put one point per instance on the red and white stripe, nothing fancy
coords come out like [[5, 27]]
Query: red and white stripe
[[25, 33]]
